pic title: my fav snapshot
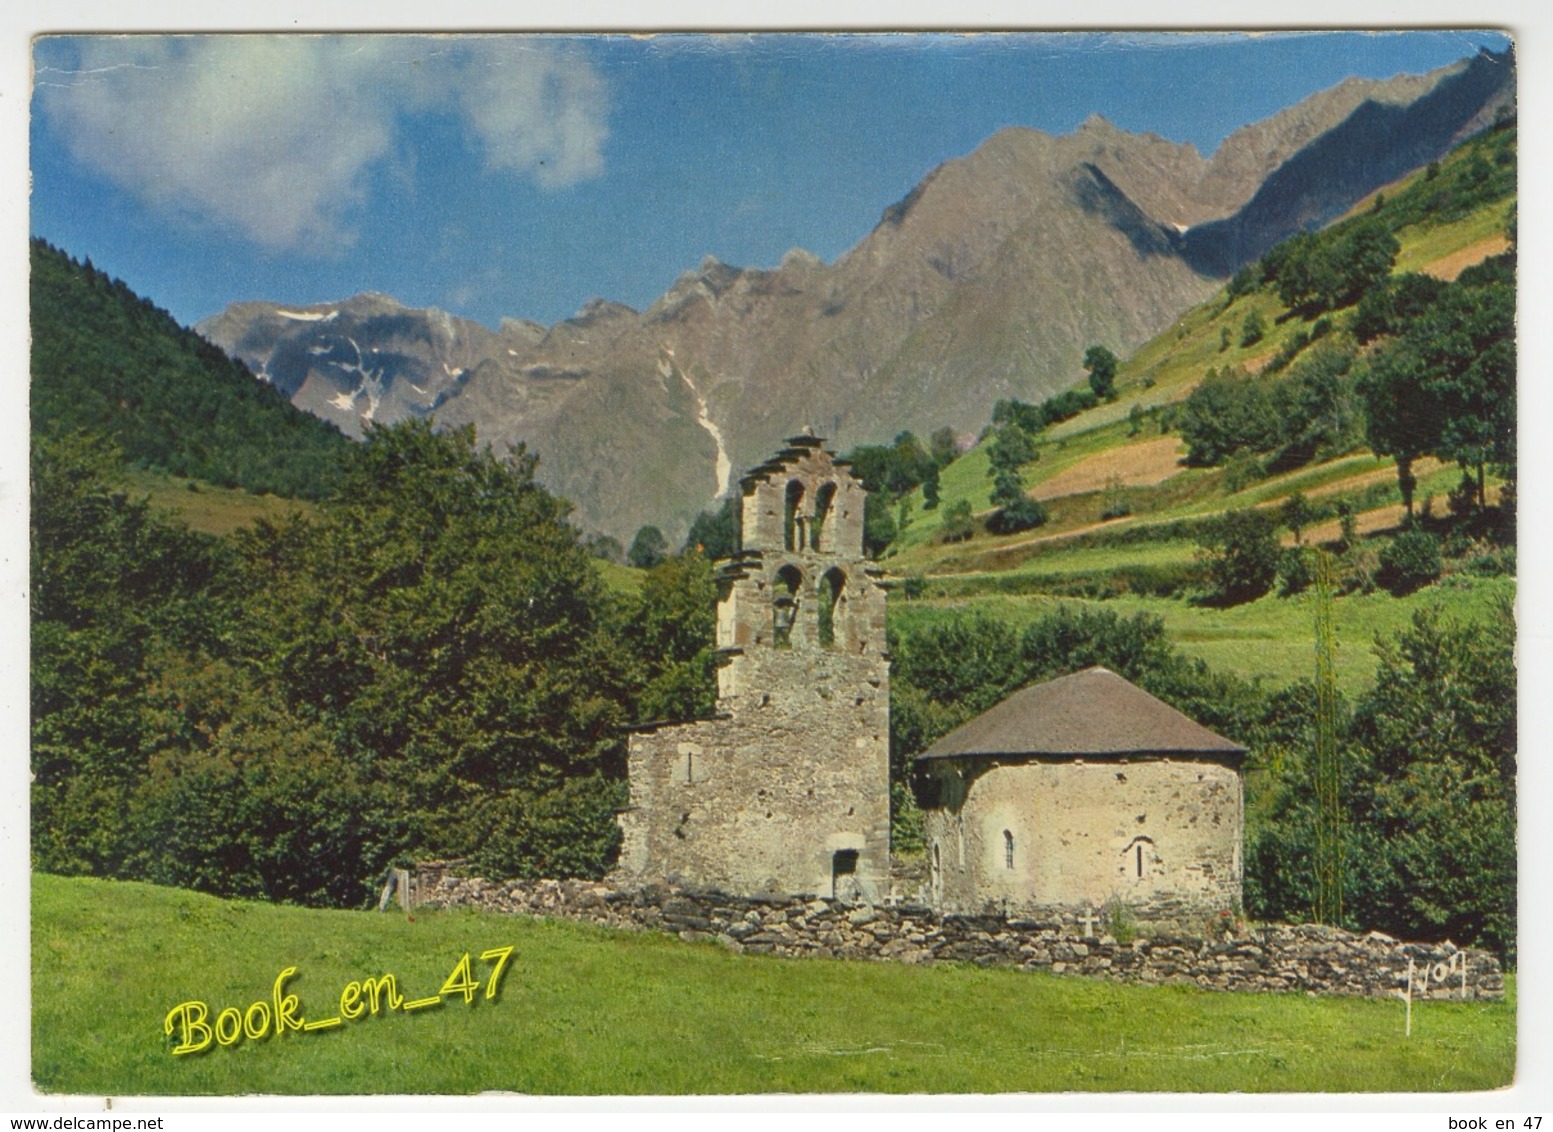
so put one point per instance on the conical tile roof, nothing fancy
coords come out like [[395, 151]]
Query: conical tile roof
[[1090, 713]]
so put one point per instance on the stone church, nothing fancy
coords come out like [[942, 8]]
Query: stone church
[[787, 789], [1065, 796]]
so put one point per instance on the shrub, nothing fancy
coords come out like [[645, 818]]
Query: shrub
[[1287, 352], [1492, 563], [1356, 571], [958, 522], [1241, 555], [1118, 921], [1409, 562], [1252, 329], [1116, 503], [1347, 525], [1295, 572], [1241, 471], [1021, 515]]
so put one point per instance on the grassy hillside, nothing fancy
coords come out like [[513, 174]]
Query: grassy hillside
[[586, 1011], [1125, 511], [204, 506], [1442, 227], [221, 511], [1272, 637]]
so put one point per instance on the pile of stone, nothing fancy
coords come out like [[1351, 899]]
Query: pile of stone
[[1275, 957]]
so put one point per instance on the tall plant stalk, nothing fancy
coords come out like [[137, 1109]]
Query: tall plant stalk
[[1329, 821]]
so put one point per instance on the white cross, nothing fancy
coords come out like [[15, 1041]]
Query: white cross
[[1088, 920]]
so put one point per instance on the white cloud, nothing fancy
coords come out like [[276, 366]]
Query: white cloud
[[536, 109], [278, 136]]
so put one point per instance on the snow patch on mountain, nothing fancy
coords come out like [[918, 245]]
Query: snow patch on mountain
[[370, 386]]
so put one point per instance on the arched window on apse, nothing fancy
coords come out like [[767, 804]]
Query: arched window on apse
[[1140, 855]]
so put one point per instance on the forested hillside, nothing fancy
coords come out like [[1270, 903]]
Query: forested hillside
[[421, 663], [427, 667], [108, 362]]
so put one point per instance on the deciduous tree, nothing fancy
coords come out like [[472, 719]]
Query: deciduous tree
[[1101, 364]]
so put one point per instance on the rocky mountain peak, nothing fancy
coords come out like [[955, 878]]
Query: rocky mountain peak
[[987, 279], [800, 259], [596, 311]]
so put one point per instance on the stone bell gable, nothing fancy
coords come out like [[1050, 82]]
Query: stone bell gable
[[1078, 793], [786, 791]]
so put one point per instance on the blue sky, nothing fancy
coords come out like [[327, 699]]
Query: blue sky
[[521, 176]]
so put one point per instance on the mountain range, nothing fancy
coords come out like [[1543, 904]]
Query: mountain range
[[988, 280]]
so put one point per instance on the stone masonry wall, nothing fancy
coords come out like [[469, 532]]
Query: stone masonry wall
[[761, 802], [1276, 957], [825, 505], [787, 790], [1023, 835]]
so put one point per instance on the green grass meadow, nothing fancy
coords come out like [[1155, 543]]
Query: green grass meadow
[[582, 1010], [205, 506], [1272, 638]]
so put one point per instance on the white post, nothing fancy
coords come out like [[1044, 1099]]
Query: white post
[[1408, 1033]]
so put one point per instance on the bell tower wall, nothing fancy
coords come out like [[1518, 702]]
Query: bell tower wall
[[787, 790]]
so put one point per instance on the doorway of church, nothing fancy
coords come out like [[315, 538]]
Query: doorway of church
[[843, 875]]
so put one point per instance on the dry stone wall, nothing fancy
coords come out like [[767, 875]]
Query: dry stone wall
[[1276, 957]]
